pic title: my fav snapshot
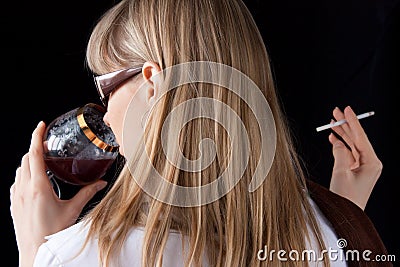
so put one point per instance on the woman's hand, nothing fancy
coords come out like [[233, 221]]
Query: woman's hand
[[356, 168], [35, 208]]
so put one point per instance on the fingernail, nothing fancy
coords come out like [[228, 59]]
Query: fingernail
[[101, 185], [39, 124]]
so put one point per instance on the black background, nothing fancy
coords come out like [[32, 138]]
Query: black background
[[324, 54]]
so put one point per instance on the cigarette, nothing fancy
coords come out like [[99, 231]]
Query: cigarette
[[340, 122]]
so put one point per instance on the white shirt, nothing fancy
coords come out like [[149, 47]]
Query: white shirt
[[60, 248], [334, 245]]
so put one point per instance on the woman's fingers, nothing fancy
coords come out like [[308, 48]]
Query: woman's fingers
[[339, 115], [17, 179], [354, 135], [344, 131], [25, 170], [358, 134], [13, 186], [342, 155], [37, 165]]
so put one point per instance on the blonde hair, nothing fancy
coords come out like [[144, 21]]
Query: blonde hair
[[231, 230]]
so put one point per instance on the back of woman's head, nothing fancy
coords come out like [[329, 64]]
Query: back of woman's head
[[231, 228], [172, 32]]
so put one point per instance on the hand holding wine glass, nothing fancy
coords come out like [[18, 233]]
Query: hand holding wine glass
[[35, 207]]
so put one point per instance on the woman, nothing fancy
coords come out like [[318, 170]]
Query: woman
[[145, 223]]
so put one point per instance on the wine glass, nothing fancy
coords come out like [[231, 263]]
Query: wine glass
[[79, 147]]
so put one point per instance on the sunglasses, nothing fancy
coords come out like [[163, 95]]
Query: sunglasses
[[107, 83]]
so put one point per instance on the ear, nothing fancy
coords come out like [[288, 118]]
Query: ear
[[149, 71]]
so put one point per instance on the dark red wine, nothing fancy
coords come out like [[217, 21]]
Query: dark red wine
[[78, 171]]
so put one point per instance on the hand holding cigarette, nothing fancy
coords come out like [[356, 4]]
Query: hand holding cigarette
[[356, 166]]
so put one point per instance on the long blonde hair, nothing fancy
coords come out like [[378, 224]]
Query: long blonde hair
[[231, 230]]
